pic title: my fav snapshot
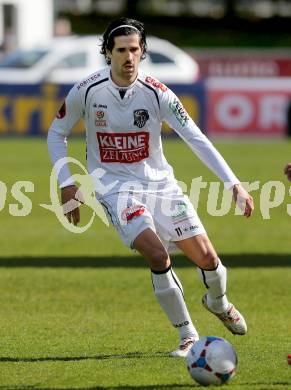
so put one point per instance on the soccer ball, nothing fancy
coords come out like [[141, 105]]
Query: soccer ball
[[211, 361]]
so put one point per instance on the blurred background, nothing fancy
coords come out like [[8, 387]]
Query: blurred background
[[232, 74]]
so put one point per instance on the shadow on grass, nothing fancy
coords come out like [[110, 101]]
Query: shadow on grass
[[130, 355], [147, 387], [259, 386], [179, 261]]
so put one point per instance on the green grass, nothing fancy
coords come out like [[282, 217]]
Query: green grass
[[78, 312], [81, 328], [40, 233]]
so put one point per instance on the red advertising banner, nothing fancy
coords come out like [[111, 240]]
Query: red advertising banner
[[258, 107], [240, 67], [250, 63]]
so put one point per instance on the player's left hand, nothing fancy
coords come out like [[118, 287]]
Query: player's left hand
[[243, 199]]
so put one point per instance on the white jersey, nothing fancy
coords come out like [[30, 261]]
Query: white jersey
[[123, 132]]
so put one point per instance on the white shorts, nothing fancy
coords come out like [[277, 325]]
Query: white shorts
[[170, 214]]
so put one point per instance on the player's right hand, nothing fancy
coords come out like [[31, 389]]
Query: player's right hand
[[71, 200], [287, 171]]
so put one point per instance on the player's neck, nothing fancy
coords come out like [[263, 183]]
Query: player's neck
[[121, 81]]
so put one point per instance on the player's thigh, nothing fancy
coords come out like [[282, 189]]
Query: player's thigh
[[200, 250]]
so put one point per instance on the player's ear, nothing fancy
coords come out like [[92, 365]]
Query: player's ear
[[108, 54], [142, 48]]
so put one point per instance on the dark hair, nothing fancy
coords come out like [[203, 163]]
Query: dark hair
[[109, 34]]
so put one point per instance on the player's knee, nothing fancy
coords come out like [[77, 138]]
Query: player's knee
[[159, 259], [209, 261]]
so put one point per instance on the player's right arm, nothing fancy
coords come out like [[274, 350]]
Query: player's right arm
[[68, 115]]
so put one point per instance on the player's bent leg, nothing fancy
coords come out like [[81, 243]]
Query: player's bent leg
[[168, 289], [214, 276], [148, 244], [199, 249]]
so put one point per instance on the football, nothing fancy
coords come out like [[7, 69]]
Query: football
[[212, 361]]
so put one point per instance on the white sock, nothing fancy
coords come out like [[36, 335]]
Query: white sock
[[169, 293], [215, 282]]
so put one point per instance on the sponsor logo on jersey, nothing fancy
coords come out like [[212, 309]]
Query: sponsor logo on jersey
[[99, 120], [100, 123], [99, 105], [179, 111], [84, 83], [180, 211], [123, 147], [140, 116], [62, 111], [99, 114], [131, 212], [190, 228], [156, 83]]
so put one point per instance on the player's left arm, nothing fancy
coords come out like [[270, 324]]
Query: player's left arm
[[243, 199], [173, 112]]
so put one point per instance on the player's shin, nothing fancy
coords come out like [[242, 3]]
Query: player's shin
[[169, 293], [215, 282]]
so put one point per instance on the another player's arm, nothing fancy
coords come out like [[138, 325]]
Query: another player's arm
[[287, 171], [176, 116], [68, 115]]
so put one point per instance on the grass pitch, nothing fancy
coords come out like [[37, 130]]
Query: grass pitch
[[77, 311]]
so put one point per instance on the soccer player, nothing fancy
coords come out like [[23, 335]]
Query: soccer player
[[123, 110]]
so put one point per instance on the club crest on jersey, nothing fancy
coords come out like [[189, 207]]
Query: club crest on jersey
[[140, 117]]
